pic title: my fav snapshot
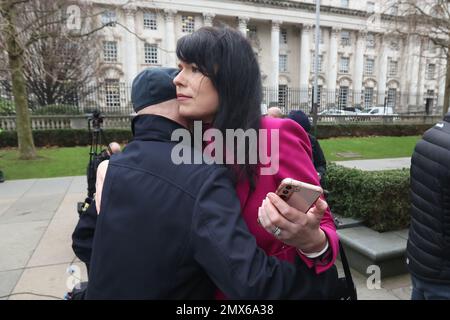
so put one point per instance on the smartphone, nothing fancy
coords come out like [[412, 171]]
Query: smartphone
[[297, 194]]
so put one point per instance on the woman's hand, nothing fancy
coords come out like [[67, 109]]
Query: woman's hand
[[292, 226]]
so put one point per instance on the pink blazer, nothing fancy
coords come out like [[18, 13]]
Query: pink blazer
[[294, 162]]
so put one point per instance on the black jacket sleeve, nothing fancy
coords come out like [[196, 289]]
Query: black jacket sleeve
[[227, 251], [83, 235]]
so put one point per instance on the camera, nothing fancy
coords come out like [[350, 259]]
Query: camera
[[96, 118]]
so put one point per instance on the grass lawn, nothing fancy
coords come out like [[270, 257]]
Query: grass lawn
[[52, 162], [342, 149], [59, 162]]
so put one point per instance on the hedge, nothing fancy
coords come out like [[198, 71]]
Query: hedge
[[325, 131], [72, 137], [380, 198], [64, 137]]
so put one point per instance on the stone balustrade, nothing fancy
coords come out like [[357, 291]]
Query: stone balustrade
[[124, 121], [67, 122]]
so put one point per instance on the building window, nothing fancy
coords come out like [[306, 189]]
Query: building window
[[283, 63], [283, 36], [251, 32], [370, 40], [109, 16], [344, 65], [370, 7], [343, 97], [282, 95], [187, 24], [150, 20], [68, 49], [109, 51], [345, 38], [392, 98], [151, 53], [112, 93], [313, 63], [431, 71], [368, 97], [369, 66], [429, 101], [345, 3], [393, 68]]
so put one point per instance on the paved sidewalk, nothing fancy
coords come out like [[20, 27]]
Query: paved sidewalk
[[37, 218], [377, 164]]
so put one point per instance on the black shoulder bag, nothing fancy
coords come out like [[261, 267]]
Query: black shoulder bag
[[346, 289]]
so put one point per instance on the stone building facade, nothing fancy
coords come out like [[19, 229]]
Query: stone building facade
[[361, 63]]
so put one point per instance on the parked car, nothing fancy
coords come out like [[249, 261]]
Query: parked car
[[353, 110], [339, 112], [375, 111]]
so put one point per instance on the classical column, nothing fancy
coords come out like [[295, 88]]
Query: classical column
[[422, 75], [359, 66], [413, 71], [441, 86], [404, 81], [332, 65], [305, 62], [208, 19], [169, 16], [275, 61], [130, 46], [243, 25], [382, 75]]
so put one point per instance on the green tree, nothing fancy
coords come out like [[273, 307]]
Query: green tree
[[30, 31]]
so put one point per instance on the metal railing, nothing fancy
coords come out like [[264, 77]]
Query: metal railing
[[114, 98], [109, 98], [345, 99]]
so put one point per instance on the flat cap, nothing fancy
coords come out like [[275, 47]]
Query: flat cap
[[153, 86]]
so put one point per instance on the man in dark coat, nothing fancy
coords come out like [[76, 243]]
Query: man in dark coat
[[168, 231], [428, 250], [318, 157]]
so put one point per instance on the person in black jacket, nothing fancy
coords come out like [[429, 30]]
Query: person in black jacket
[[318, 157], [175, 231], [428, 249]]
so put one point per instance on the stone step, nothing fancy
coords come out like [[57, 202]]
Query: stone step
[[344, 222], [365, 247]]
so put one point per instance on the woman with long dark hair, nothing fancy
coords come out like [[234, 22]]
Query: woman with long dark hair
[[220, 84]]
